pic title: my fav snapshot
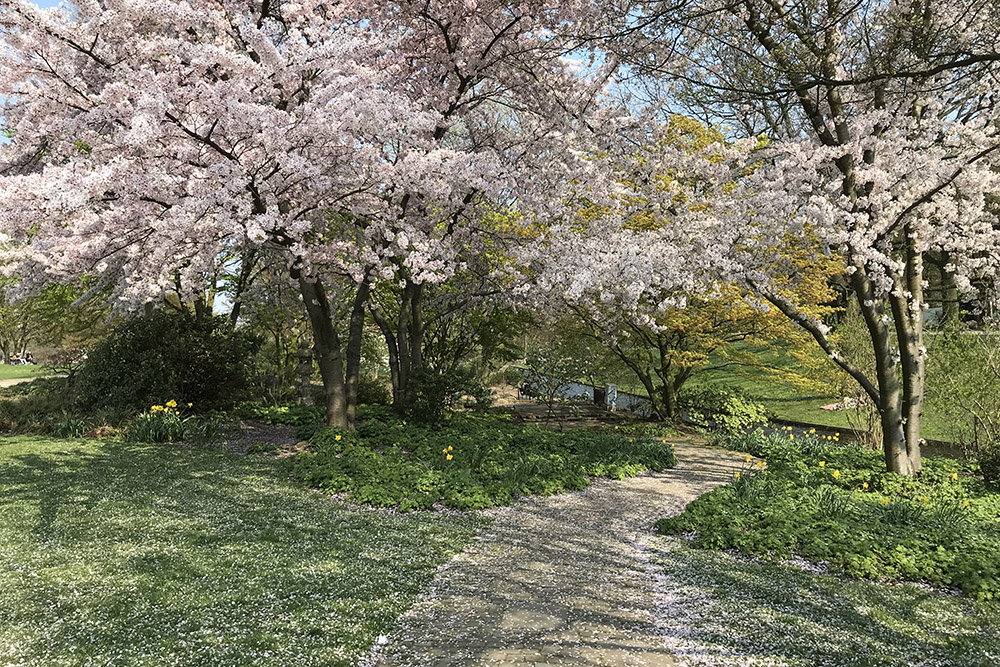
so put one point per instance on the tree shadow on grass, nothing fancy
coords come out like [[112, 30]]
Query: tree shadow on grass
[[725, 605], [166, 555]]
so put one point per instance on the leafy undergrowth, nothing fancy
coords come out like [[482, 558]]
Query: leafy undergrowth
[[470, 462], [836, 504], [123, 554]]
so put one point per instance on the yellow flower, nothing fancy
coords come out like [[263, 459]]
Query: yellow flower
[[791, 437], [171, 403], [190, 404], [760, 464], [812, 430], [954, 475], [924, 499], [671, 444], [836, 435], [736, 475], [664, 441], [836, 473], [885, 502], [449, 457], [965, 503], [836, 439], [748, 459], [630, 439], [337, 438], [616, 428], [822, 464], [450, 448], [864, 485], [444, 451]]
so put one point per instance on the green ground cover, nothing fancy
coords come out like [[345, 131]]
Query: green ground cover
[[835, 504], [470, 461], [10, 372], [729, 610], [125, 554]]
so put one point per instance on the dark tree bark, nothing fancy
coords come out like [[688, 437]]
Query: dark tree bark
[[326, 346]]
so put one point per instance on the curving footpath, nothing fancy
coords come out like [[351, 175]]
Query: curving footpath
[[562, 580]]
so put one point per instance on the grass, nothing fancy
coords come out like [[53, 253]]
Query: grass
[[727, 610], [123, 554], [10, 372], [791, 403]]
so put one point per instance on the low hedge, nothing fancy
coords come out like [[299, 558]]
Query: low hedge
[[835, 504]]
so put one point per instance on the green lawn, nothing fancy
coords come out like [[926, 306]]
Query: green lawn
[[9, 372], [118, 554], [725, 610], [789, 402]]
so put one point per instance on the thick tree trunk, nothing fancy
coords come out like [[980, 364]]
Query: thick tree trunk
[[908, 316], [896, 448], [354, 340], [326, 345], [950, 314]]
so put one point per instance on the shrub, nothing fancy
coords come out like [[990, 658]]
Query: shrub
[[468, 462], [833, 503], [729, 409], [373, 390], [436, 393], [199, 361]]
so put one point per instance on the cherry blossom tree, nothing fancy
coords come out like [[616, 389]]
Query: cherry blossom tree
[[360, 140], [882, 123]]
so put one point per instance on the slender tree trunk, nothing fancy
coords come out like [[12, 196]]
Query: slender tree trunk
[[326, 345], [390, 342]]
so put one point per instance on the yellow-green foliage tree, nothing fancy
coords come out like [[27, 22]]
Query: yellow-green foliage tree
[[666, 336]]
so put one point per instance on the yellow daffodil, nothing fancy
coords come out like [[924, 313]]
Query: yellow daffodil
[[864, 485], [836, 474], [924, 499], [736, 475], [811, 431], [449, 457], [444, 451], [190, 404], [630, 439], [965, 503], [748, 459], [954, 475], [822, 464], [171, 403], [885, 502], [337, 438], [791, 437]]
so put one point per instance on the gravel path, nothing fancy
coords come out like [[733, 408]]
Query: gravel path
[[563, 580]]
